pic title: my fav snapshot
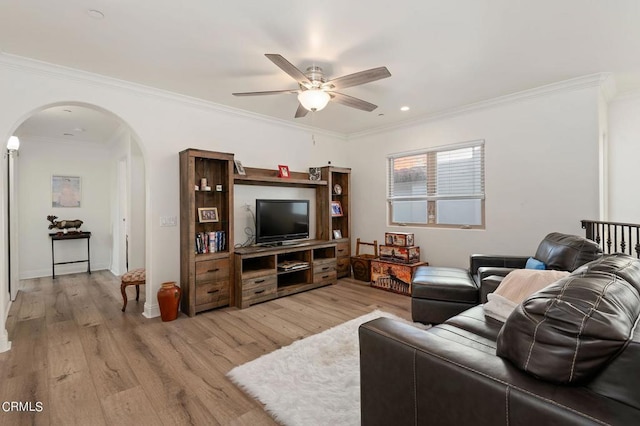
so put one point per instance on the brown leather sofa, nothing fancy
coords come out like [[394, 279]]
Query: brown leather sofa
[[438, 293], [568, 355]]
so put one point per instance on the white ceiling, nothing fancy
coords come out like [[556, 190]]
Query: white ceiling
[[70, 123], [441, 54]]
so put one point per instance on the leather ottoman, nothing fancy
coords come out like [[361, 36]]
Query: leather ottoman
[[439, 293]]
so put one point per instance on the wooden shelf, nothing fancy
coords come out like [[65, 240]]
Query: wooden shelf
[[269, 177], [206, 279]]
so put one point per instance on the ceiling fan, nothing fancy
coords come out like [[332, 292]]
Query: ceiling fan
[[315, 92]]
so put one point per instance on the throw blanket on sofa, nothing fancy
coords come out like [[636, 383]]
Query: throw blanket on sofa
[[517, 286]]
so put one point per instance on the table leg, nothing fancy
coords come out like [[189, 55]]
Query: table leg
[[53, 261], [88, 256]]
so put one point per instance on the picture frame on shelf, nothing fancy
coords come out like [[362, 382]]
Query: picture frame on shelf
[[283, 171], [208, 214], [336, 209], [337, 189], [337, 234], [315, 173], [240, 168]]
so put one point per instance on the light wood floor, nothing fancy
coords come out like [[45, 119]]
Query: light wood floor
[[90, 364]]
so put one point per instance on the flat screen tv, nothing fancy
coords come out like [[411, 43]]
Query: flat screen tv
[[281, 220]]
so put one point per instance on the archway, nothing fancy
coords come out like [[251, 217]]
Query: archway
[[101, 152]]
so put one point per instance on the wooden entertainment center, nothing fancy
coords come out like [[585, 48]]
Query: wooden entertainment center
[[216, 273], [265, 273]]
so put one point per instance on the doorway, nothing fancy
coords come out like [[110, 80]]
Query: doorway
[[97, 149]]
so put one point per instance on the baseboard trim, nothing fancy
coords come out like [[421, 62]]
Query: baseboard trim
[[151, 311], [5, 344]]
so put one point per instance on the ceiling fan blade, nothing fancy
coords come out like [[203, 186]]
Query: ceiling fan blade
[[352, 102], [301, 111], [358, 78], [270, 92], [287, 67]]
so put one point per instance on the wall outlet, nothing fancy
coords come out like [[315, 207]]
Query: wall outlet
[[168, 220]]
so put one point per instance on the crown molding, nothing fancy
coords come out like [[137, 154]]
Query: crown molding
[[608, 87], [60, 72], [591, 80]]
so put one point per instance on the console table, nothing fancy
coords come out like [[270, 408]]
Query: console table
[[55, 236]]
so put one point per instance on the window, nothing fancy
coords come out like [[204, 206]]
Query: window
[[440, 186]]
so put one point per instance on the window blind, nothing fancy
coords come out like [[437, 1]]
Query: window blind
[[443, 173]]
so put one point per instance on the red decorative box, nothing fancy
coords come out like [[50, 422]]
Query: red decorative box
[[393, 276], [400, 254], [400, 239]]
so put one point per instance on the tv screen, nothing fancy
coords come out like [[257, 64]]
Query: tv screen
[[281, 220]]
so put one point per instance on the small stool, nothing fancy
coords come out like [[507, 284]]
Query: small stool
[[439, 293], [134, 277]]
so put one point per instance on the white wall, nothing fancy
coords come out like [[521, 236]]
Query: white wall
[[244, 225], [624, 152], [163, 124], [137, 196], [541, 174], [39, 160]]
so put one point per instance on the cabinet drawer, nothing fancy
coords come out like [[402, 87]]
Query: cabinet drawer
[[342, 249], [343, 265], [216, 292], [259, 292], [324, 267], [259, 282], [212, 270], [322, 262], [322, 277]]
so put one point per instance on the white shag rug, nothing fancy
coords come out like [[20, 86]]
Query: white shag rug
[[313, 381]]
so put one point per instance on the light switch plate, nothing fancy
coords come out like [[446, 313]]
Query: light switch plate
[[168, 220]]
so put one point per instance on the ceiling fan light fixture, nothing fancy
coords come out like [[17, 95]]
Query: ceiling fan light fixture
[[314, 99]]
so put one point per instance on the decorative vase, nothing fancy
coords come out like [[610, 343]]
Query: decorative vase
[[169, 300]]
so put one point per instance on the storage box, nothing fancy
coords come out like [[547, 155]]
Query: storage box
[[392, 276], [361, 263], [400, 254], [361, 266], [400, 239]]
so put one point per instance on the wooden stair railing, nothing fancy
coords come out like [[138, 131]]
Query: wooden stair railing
[[614, 237]]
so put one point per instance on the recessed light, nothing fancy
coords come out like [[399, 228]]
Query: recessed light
[[405, 108], [95, 14], [79, 129]]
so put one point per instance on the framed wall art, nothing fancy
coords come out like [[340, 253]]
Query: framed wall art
[[65, 191]]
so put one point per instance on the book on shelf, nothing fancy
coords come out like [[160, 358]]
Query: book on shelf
[[210, 242]]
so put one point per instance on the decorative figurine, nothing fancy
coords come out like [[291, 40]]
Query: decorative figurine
[[64, 225]]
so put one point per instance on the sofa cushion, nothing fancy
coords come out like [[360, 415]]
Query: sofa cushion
[[564, 252], [569, 331]]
